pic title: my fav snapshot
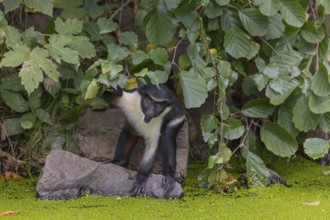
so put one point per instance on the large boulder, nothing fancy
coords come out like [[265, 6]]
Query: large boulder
[[67, 176]]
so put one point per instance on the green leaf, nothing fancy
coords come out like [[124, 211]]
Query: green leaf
[[267, 7], [12, 126], [213, 10], [157, 77], [320, 82], [82, 45], [194, 89], [15, 57], [159, 56], [31, 75], [44, 6], [278, 140], [209, 123], [14, 101], [39, 58], [316, 148], [237, 43], [92, 90], [222, 2], [279, 90], [69, 27], [276, 27], [27, 121], [106, 26], [312, 34], [117, 53], [326, 5], [189, 17], [230, 19], [293, 12], [303, 118], [319, 104], [286, 60], [234, 129], [261, 81], [258, 108], [172, 4], [13, 37], [128, 38], [253, 162], [11, 4], [12, 83], [254, 22], [224, 68], [44, 116], [139, 57], [325, 122], [35, 99], [285, 120], [160, 28], [58, 49]]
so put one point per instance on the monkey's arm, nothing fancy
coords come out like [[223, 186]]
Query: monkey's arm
[[126, 143]]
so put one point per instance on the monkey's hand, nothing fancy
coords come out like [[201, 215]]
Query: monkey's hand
[[168, 183], [138, 187]]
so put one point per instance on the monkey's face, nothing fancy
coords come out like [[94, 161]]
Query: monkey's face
[[152, 108]]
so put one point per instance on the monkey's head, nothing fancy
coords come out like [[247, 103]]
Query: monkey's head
[[155, 100]]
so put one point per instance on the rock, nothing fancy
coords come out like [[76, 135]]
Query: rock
[[67, 176], [99, 131]]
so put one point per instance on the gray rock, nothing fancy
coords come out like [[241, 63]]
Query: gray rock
[[67, 176]]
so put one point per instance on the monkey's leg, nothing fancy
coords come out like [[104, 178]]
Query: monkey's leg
[[149, 156], [168, 150], [126, 143]]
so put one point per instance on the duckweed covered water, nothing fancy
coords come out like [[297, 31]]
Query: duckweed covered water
[[308, 198]]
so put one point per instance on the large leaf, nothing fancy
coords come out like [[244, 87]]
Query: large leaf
[[255, 163], [293, 12], [160, 28], [33, 68], [157, 77], [69, 26], [278, 140], [44, 6], [318, 104], [325, 122], [209, 123], [326, 5], [258, 108], [92, 90], [106, 26], [230, 19], [14, 100], [11, 4], [117, 53], [128, 38], [286, 60], [279, 90], [267, 7], [285, 120], [159, 56], [15, 57], [312, 34], [303, 118], [237, 43], [275, 28], [12, 126], [12, 83], [194, 89], [233, 129], [58, 49], [44, 116], [316, 148], [82, 45], [320, 82], [254, 22]]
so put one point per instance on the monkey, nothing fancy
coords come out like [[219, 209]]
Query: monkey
[[154, 113]]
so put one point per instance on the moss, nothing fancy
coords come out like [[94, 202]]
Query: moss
[[276, 202]]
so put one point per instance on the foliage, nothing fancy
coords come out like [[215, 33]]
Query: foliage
[[273, 54]]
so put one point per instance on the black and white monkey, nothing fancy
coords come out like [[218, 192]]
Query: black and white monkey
[[156, 115]]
